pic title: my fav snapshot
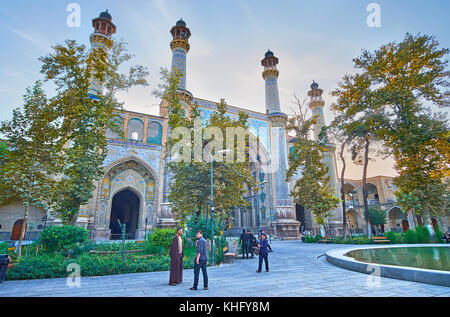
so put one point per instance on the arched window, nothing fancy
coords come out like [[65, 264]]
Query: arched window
[[154, 133], [135, 130]]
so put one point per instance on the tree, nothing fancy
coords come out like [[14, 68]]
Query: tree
[[312, 189], [405, 77], [27, 167], [72, 67], [191, 179], [341, 133], [377, 216], [356, 106]]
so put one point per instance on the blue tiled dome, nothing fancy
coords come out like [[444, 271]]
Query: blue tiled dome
[[314, 85], [269, 53], [106, 15], [180, 22]]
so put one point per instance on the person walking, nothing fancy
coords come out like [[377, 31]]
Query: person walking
[[201, 261], [251, 243], [263, 253], [244, 241], [176, 259]]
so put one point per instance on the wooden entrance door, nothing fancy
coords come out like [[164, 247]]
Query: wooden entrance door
[[405, 225], [17, 230]]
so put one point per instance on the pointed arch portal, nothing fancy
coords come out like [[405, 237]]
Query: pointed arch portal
[[125, 207]]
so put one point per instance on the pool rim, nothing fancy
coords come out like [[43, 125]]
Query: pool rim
[[407, 273]]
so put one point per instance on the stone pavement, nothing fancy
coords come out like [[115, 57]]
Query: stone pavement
[[296, 269]]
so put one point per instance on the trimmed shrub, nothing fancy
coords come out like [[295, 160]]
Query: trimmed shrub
[[394, 237], [312, 239], [439, 235], [150, 247], [57, 238], [163, 237], [411, 236], [43, 266], [423, 235]]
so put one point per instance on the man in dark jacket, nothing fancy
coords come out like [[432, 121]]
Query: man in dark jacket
[[244, 240], [176, 259], [263, 253], [201, 261], [251, 243]]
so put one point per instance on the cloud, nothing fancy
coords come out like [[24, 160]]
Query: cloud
[[161, 6], [30, 38]]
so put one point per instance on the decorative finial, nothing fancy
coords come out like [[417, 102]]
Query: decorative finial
[[314, 85]]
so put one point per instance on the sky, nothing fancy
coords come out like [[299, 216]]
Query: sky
[[314, 40]]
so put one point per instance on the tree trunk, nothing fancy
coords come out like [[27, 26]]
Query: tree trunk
[[364, 189], [322, 231], [24, 229], [344, 218], [429, 225]]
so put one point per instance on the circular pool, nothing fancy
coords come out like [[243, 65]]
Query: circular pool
[[433, 258], [422, 263]]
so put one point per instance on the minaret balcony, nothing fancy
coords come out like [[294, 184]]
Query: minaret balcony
[[272, 71], [180, 43]]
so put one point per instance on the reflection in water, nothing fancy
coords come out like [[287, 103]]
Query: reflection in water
[[434, 258]]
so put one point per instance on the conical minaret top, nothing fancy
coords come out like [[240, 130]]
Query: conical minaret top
[[180, 47], [270, 75]]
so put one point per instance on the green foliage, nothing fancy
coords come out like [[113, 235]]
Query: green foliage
[[220, 243], [312, 190], [438, 234], [394, 237], [199, 223], [149, 247], [423, 235], [312, 239], [162, 237], [411, 236], [191, 187], [377, 216], [81, 120], [57, 238], [54, 265], [3, 247]]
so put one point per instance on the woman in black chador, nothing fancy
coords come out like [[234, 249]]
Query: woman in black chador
[[176, 259]]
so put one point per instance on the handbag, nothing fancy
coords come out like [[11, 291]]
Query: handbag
[[256, 250]]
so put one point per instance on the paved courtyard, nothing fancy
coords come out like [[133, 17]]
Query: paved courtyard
[[296, 269]]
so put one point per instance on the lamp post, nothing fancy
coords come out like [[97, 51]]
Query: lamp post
[[146, 222], [212, 205], [261, 186]]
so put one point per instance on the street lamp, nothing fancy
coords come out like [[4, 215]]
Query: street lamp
[[261, 186], [212, 205]]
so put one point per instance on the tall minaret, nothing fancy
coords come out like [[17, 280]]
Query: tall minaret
[[316, 104], [270, 75], [101, 38], [285, 225], [180, 47]]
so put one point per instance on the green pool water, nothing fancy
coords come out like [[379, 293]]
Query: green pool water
[[434, 258]]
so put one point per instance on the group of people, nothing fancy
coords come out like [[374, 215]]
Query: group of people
[[248, 243], [247, 240]]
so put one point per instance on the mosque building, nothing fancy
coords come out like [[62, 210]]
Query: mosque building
[[135, 184]]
